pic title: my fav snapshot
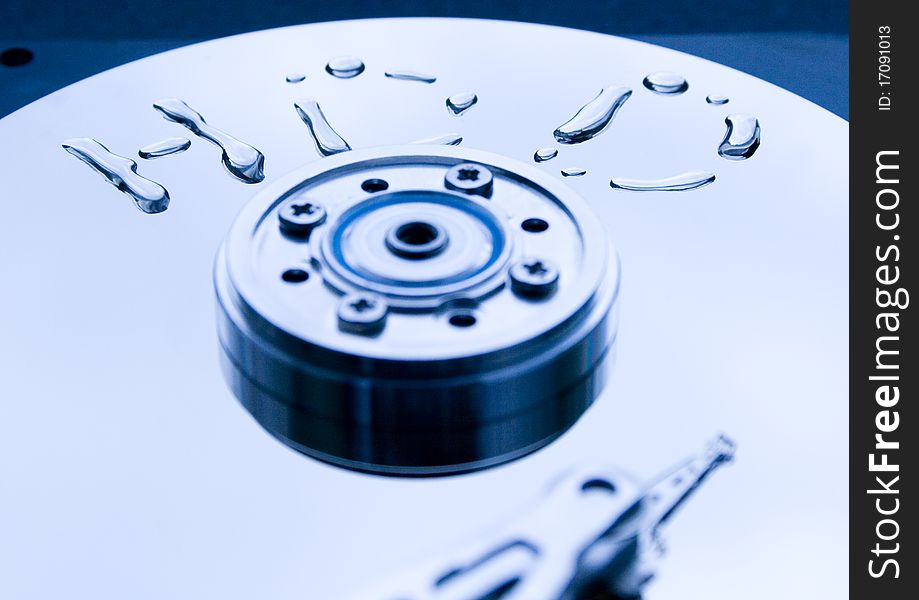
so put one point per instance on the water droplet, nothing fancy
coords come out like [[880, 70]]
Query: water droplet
[[717, 100], [573, 172], [345, 67], [593, 117], [742, 137], [460, 103], [406, 75], [241, 160], [327, 140], [295, 78], [677, 183], [449, 139], [544, 154], [121, 172], [164, 148], [666, 83]]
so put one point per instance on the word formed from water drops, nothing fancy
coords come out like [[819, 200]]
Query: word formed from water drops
[[593, 117], [717, 100], [345, 67], [121, 172], [666, 83], [573, 172], [241, 160], [448, 139], [295, 78], [164, 148], [742, 137], [677, 183], [406, 75], [458, 104], [544, 154], [327, 140]]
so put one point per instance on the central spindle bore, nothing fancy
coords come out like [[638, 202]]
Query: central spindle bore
[[416, 239]]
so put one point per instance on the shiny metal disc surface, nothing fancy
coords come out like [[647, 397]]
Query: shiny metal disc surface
[[127, 467]]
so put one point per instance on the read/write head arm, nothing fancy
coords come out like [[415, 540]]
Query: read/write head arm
[[594, 535]]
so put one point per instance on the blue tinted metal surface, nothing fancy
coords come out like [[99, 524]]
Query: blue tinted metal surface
[[129, 470]]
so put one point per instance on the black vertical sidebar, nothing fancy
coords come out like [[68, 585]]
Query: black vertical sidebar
[[883, 369]]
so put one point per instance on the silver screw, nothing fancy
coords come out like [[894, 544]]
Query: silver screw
[[470, 178], [533, 277], [362, 313], [299, 216]]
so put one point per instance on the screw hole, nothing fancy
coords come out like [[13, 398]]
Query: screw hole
[[16, 57], [598, 484], [534, 225], [374, 185], [295, 275], [462, 319]]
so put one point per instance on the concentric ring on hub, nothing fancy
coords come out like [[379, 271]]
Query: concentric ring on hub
[[468, 245]]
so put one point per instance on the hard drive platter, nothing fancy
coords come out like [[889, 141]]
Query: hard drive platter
[[422, 308]]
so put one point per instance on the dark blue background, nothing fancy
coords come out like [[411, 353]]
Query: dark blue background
[[122, 19], [801, 45]]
